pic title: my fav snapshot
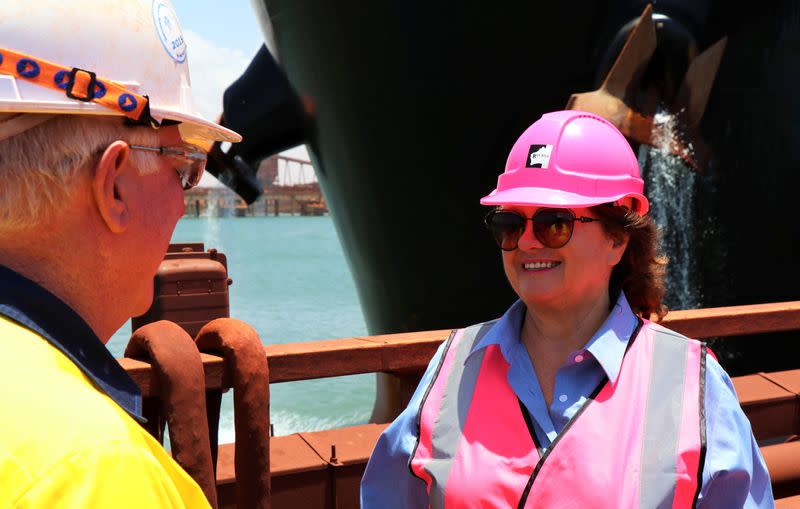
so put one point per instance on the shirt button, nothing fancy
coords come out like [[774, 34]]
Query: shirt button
[[579, 358], [562, 398]]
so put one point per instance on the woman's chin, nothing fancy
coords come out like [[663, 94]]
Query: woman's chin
[[533, 295]]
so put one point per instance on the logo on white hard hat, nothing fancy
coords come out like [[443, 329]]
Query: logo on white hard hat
[[169, 30], [539, 156]]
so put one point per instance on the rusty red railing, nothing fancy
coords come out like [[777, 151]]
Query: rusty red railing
[[322, 469]]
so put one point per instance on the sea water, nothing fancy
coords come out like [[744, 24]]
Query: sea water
[[291, 282]]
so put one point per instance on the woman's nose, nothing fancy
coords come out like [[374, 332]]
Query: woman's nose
[[528, 240]]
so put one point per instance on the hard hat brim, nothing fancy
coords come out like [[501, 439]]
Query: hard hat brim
[[543, 197], [196, 129]]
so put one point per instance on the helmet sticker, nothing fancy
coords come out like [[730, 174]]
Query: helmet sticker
[[169, 30], [539, 156]]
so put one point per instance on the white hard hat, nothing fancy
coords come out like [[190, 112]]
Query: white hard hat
[[134, 48]]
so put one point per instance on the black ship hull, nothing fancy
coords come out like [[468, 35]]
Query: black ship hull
[[413, 107]]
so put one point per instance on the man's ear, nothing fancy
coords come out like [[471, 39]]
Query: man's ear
[[106, 187]]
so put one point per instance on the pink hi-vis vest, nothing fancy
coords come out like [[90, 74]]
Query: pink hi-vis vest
[[637, 442]]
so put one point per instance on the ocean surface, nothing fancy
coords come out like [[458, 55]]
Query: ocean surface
[[292, 283]]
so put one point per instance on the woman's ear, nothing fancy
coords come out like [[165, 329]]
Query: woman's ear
[[108, 187], [618, 246]]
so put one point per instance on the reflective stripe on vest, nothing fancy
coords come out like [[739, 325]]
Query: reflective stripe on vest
[[636, 443]]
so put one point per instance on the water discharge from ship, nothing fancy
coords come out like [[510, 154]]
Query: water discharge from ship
[[671, 187], [656, 92]]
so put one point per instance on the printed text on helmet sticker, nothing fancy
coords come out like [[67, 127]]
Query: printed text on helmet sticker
[[539, 156], [169, 30]]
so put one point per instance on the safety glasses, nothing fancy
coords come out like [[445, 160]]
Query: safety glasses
[[190, 161], [552, 227]]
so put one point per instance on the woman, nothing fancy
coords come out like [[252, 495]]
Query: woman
[[572, 398]]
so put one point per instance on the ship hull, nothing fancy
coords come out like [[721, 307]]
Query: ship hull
[[416, 104]]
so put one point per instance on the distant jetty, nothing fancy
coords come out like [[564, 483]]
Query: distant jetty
[[290, 188]]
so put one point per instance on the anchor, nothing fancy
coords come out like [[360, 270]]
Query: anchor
[[619, 99]]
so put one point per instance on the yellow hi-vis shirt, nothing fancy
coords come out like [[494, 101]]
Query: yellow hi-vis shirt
[[64, 443]]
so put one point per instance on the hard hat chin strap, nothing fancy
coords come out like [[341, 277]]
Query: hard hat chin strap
[[78, 84], [145, 119]]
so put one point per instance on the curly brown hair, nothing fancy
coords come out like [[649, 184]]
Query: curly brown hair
[[640, 272]]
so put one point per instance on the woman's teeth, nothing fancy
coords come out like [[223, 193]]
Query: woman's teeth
[[540, 265]]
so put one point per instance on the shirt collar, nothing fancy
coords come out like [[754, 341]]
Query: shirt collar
[[33, 307], [607, 345], [506, 331]]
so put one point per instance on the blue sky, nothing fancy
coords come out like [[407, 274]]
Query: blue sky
[[233, 26], [220, 41]]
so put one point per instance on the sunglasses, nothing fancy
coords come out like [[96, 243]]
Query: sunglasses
[[190, 161], [552, 227]]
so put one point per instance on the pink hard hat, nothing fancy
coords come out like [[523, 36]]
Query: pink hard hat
[[570, 159]]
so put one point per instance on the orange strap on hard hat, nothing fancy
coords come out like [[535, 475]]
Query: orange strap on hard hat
[[78, 84]]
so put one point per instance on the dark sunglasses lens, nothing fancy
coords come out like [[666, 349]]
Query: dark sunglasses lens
[[506, 227], [553, 227]]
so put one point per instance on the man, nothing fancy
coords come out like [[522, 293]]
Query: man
[[97, 142]]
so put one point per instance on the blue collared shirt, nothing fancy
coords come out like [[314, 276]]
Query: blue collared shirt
[[734, 474]]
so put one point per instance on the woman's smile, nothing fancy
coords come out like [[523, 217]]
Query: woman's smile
[[540, 265]]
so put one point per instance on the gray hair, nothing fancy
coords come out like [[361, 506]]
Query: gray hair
[[39, 168]]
